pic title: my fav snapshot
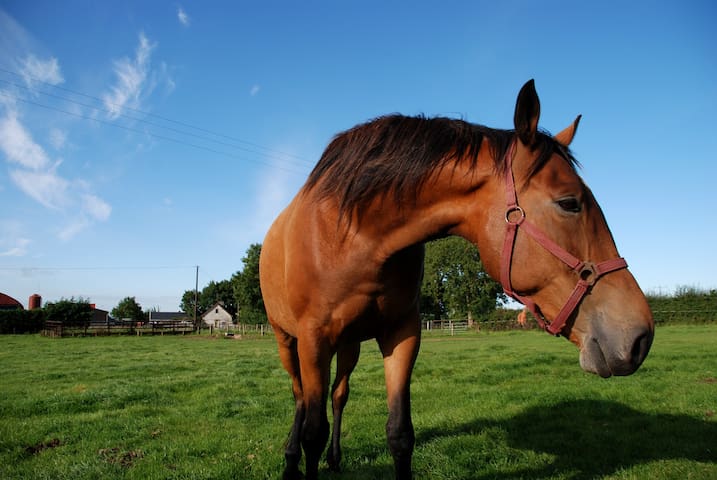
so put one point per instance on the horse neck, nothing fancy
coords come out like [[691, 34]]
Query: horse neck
[[454, 201]]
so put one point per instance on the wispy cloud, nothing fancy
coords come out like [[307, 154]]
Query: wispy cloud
[[33, 172], [16, 248], [35, 70], [131, 79], [254, 90], [96, 207], [46, 187], [27, 150], [72, 229], [58, 138], [17, 144], [183, 17]]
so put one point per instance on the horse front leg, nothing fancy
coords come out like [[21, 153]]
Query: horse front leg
[[315, 363], [346, 360], [290, 361], [399, 351]]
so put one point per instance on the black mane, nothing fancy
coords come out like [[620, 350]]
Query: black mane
[[396, 154]]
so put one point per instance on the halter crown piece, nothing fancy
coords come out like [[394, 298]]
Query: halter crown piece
[[587, 272]]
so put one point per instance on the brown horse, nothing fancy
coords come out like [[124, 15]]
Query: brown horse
[[343, 262]]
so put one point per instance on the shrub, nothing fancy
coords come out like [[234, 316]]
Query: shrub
[[686, 305], [21, 321], [71, 313]]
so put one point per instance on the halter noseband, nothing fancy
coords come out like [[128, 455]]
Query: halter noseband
[[588, 273]]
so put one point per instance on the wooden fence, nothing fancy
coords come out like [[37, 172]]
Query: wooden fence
[[433, 327], [52, 329]]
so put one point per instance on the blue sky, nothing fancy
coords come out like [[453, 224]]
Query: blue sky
[[139, 139]]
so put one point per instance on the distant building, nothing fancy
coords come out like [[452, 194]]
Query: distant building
[[34, 302], [9, 303], [100, 318], [169, 317], [175, 322], [217, 317]]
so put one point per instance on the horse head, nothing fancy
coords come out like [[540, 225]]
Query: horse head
[[558, 255]]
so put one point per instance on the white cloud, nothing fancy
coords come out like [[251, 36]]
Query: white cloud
[[36, 176], [18, 146], [92, 208], [18, 248], [254, 90], [7, 100], [96, 207], [131, 78], [14, 39], [183, 17], [34, 70], [71, 230], [58, 138], [29, 163], [46, 187]]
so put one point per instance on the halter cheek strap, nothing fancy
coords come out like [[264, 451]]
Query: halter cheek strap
[[587, 272]]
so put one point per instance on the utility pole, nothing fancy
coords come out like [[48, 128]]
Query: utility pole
[[196, 298]]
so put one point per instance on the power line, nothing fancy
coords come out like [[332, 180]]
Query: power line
[[149, 114], [151, 134], [271, 156]]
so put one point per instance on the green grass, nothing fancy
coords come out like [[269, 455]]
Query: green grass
[[485, 406]]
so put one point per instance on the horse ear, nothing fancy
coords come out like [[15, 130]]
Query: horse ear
[[527, 113], [566, 136]]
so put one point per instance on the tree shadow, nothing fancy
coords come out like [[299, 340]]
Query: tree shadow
[[589, 438]]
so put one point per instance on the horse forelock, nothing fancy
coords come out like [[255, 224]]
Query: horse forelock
[[396, 154]]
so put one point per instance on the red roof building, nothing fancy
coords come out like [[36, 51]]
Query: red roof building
[[9, 303]]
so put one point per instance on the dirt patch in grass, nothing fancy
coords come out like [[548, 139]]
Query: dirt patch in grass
[[120, 457], [39, 447]]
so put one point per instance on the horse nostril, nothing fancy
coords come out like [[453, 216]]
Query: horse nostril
[[640, 348]]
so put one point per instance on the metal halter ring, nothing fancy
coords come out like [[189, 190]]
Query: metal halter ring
[[588, 273], [510, 211]]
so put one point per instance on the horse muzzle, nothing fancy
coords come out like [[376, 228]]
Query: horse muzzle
[[620, 353]]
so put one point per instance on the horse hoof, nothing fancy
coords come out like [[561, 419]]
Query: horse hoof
[[292, 474], [334, 462]]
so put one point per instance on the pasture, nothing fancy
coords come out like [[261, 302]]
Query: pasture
[[485, 405]]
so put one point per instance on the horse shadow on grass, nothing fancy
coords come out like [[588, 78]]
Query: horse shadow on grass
[[586, 439]]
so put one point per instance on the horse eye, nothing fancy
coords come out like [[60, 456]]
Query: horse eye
[[570, 204]]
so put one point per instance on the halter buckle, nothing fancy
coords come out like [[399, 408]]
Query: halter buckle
[[515, 209], [588, 273]]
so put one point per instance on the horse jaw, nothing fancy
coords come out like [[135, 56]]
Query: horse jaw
[[592, 359]]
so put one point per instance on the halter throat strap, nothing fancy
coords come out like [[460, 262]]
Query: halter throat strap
[[587, 272]]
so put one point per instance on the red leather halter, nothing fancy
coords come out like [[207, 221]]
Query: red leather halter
[[588, 272]]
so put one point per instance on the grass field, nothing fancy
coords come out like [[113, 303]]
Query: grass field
[[485, 406]]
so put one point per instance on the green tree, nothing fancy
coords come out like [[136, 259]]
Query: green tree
[[71, 312], [247, 292], [129, 308], [455, 284], [187, 305], [217, 292]]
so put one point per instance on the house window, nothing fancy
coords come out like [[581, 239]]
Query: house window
[[216, 311]]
